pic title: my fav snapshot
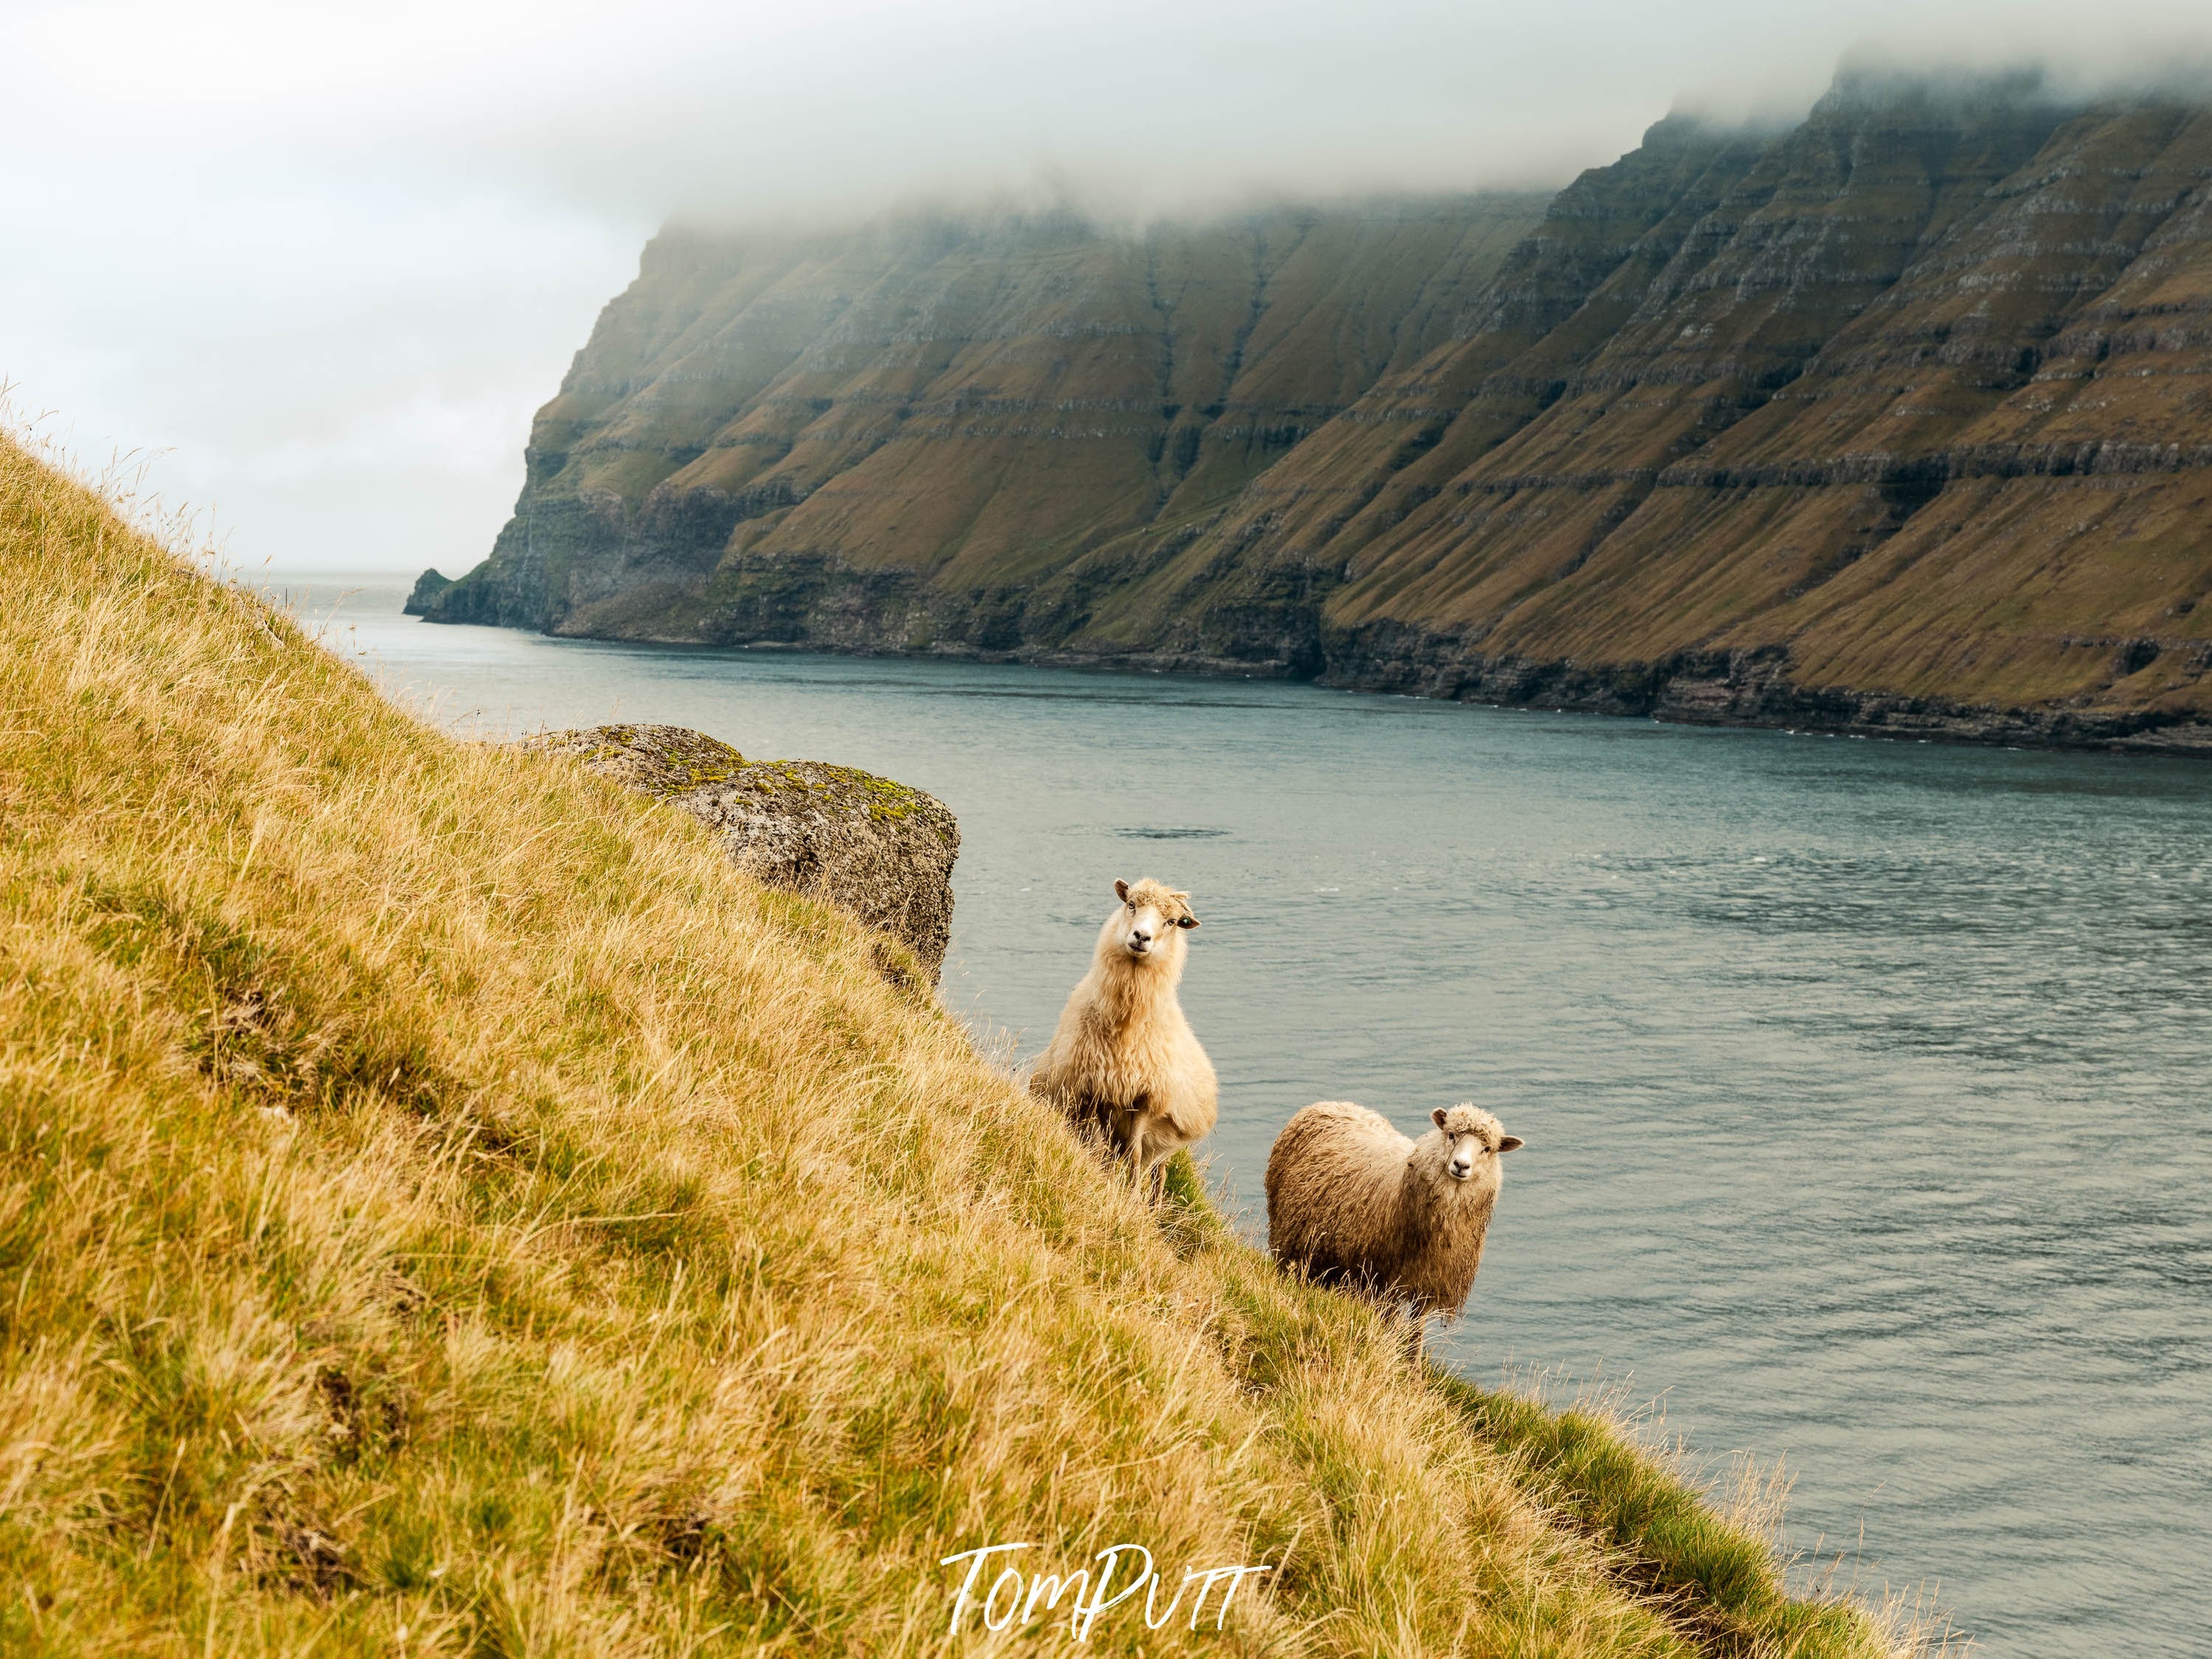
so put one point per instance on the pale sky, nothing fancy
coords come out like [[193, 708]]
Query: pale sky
[[322, 262]]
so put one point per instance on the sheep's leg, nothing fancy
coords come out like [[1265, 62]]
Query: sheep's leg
[[1133, 1137], [1144, 1169], [1120, 1132], [1417, 1334]]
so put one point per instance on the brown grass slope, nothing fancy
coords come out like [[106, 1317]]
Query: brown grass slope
[[445, 1208]]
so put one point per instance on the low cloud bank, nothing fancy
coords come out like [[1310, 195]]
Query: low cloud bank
[[332, 259]]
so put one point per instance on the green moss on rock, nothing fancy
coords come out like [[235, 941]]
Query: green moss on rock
[[882, 849]]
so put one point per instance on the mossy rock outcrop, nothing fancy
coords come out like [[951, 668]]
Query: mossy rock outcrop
[[882, 850]]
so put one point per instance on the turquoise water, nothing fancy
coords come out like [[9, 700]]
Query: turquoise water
[[1864, 1084]]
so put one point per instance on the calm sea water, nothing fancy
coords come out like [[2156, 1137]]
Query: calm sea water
[[1864, 1083]]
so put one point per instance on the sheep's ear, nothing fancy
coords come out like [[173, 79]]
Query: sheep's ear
[[1511, 1144], [1437, 1117], [1185, 921], [1122, 891]]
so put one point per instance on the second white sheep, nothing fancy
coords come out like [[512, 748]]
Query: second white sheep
[[1353, 1202]]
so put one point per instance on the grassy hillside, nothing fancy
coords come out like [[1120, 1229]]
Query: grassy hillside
[[445, 1209]]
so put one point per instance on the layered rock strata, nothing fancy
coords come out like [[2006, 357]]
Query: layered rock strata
[[1897, 421]]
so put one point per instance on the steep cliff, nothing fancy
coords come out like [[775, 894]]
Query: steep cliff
[[1896, 421], [925, 431]]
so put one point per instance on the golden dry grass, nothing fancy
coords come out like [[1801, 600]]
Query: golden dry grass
[[446, 1209]]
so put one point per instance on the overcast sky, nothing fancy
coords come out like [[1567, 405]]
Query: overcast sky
[[323, 262]]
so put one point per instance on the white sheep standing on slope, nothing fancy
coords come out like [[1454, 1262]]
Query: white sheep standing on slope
[[1354, 1202], [1123, 1060]]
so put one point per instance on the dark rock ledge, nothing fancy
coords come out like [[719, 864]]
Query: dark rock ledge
[[427, 586], [882, 850]]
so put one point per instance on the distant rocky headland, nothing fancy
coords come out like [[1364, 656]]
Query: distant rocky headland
[[1899, 420]]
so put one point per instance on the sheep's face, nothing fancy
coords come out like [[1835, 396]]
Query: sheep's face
[[1151, 920], [1473, 1140]]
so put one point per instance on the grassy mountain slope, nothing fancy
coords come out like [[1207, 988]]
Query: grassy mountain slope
[[445, 1208], [1896, 420], [961, 405], [1908, 401]]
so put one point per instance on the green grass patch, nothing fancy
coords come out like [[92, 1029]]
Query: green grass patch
[[1719, 1579]]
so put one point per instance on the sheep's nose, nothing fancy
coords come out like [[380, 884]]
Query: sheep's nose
[[1460, 1168]]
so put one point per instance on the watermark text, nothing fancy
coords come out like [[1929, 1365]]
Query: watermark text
[[1008, 1597]]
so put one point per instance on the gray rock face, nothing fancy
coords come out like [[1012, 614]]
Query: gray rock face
[[880, 849], [427, 586]]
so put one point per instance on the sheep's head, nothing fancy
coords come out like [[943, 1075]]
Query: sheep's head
[[1471, 1135], [1152, 914]]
